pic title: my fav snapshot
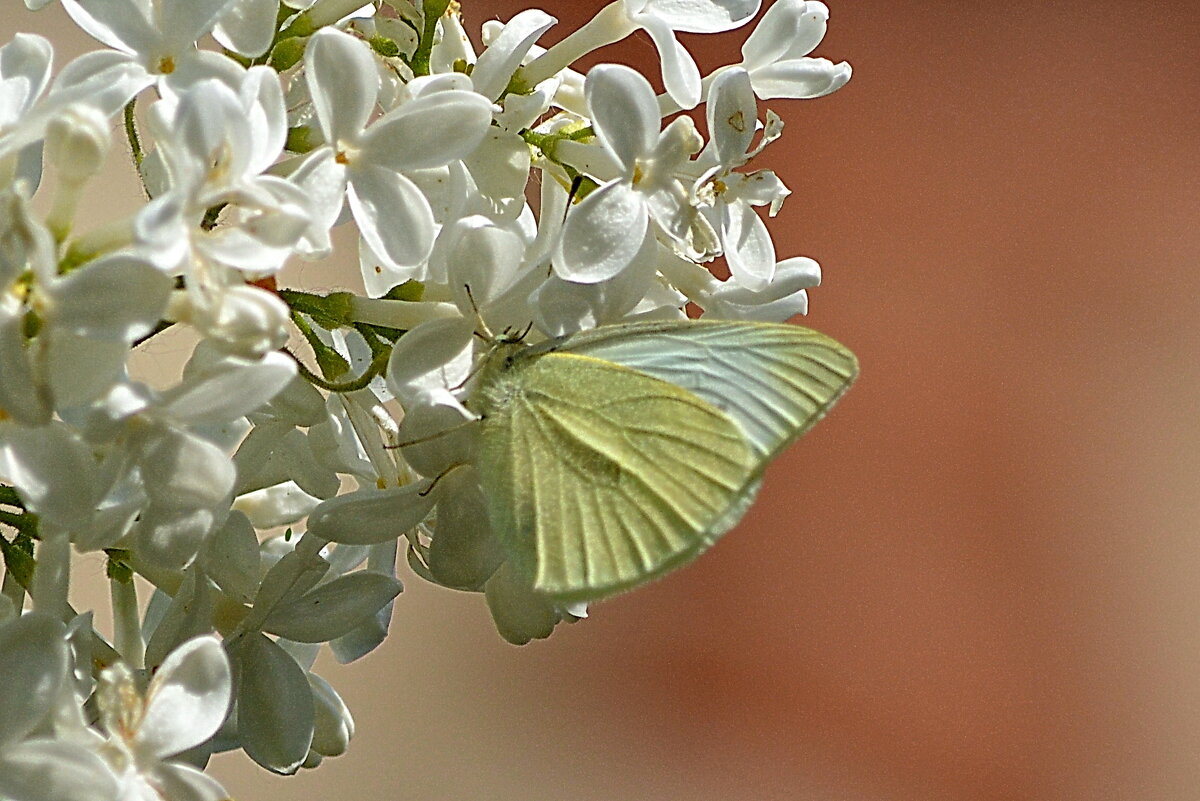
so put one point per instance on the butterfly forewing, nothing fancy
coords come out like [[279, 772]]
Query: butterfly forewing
[[601, 477], [775, 381]]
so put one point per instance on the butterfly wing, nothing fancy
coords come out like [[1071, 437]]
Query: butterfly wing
[[775, 381], [600, 477]]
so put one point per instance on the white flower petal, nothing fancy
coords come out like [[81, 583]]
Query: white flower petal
[[334, 723], [368, 517], [54, 471], [184, 22], [732, 114], [52, 770], [810, 29], [483, 261], [121, 25], [323, 180], [392, 215], [602, 234], [228, 389], [247, 27], [180, 782], [800, 79], [774, 33], [448, 441], [80, 368], [496, 65], [464, 552], [333, 608], [231, 558], [749, 250], [24, 73], [278, 505], [117, 297], [187, 700], [519, 613], [344, 84], [33, 661], [681, 76], [274, 705], [430, 131], [435, 355], [104, 79], [22, 397], [624, 111], [699, 16]]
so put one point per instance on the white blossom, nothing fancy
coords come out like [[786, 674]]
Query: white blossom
[[495, 189]]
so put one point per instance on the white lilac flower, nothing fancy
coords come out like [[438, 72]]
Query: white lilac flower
[[368, 163], [160, 38], [776, 53], [730, 197], [661, 19], [605, 232], [431, 146], [183, 706], [34, 764], [217, 141]]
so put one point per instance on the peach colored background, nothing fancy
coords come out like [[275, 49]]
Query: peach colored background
[[978, 578]]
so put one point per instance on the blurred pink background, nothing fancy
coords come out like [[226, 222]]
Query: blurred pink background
[[977, 579]]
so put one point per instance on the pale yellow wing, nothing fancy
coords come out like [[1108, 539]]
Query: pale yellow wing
[[600, 478], [776, 381]]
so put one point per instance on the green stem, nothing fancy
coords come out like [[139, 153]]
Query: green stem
[[434, 9], [375, 368], [127, 628], [135, 143]]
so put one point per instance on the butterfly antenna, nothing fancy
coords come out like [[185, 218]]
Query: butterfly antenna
[[433, 436], [481, 328], [438, 478]]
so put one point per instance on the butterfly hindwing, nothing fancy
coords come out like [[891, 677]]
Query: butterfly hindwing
[[601, 477], [775, 381]]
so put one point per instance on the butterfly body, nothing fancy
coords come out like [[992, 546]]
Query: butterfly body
[[611, 456]]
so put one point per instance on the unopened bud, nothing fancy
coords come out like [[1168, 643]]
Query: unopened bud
[[76, 141]]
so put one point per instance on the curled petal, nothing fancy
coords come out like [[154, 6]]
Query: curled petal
[[681, 76], [504, 54], [749, 250], [800, 79], [789, 29], [698, 16]]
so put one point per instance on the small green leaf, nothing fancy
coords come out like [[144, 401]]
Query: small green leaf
[[118, 568], [411, 290], [18, 559]]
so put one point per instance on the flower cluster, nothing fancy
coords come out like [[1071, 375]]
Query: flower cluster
[[264, 501]]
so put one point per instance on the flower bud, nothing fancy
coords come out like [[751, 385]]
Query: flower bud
[[76, 141], [244, 320]]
